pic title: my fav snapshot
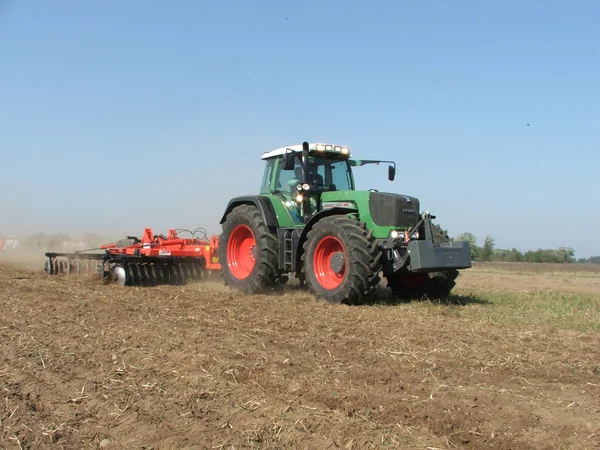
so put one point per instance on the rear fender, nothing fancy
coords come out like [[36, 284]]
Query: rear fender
[[263, 204]]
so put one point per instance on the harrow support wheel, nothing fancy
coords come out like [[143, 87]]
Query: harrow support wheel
[[248, 251], [340, 261]]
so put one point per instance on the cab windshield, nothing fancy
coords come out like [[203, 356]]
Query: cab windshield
[[325, 174]]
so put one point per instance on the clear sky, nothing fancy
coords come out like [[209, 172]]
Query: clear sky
[[117, 115]]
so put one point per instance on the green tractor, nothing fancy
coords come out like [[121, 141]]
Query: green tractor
[[309, 222]]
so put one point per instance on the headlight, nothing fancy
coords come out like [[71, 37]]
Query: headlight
[[299, 198], [395, 234], [321, 146], [306, 186], [415, 235]]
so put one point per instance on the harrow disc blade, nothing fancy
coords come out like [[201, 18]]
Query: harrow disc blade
[[175, 274], [132, 272], [165, 274], [195, 273], [145, 274], [153, 275], [160, 276], [120, 275], [185, 273]]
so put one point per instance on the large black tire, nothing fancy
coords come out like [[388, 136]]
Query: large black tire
[[354, 275], [248, 251]]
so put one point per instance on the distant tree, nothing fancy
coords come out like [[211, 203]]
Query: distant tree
[[565, 255], [515, 255], [532, 256], [56, 241], [500, 255], [512, 255], [36, 241], [560, 255], [472, 240], [487, 251]]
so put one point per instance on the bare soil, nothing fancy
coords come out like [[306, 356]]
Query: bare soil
[[538, 281], [87, 365]]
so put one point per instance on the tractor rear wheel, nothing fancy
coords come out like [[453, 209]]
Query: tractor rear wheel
[[248, 251], [340, 261]]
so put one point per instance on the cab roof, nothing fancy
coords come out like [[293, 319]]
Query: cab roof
[[314, 148]]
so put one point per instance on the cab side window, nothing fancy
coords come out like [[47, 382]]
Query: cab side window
[[284, 177], [265, 187]]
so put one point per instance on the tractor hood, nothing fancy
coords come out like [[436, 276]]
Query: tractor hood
[[393, 209]]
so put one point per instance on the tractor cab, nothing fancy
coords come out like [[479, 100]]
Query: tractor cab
[[296, 178], [299, 175]]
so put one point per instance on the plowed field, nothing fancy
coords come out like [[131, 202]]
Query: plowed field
[[512, 361]]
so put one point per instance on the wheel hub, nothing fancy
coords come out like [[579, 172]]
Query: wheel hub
[[336, 262]]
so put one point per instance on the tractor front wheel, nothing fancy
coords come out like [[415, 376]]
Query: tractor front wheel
[[248, 251], [340, 260], [432, 286]]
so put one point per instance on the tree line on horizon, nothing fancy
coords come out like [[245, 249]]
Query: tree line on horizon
[[488, 252]]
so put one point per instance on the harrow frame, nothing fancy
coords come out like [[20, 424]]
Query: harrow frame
[[153, 260], [139, 270]]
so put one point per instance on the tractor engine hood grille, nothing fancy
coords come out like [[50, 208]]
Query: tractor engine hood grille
[[393, 209]]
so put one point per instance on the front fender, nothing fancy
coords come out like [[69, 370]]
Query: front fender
[[314, 219]]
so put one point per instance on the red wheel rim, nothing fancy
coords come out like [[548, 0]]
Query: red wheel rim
[[326, 276], [241, 249]]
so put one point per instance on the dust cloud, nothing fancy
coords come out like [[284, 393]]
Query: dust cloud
[[28, 251]]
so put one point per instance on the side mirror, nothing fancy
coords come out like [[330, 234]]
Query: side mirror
[[391, 173], [288, 161]]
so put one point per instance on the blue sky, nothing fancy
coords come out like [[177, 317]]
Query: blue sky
[[119, 115]]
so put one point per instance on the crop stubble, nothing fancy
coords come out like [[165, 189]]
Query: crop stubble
[[86, 365]]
